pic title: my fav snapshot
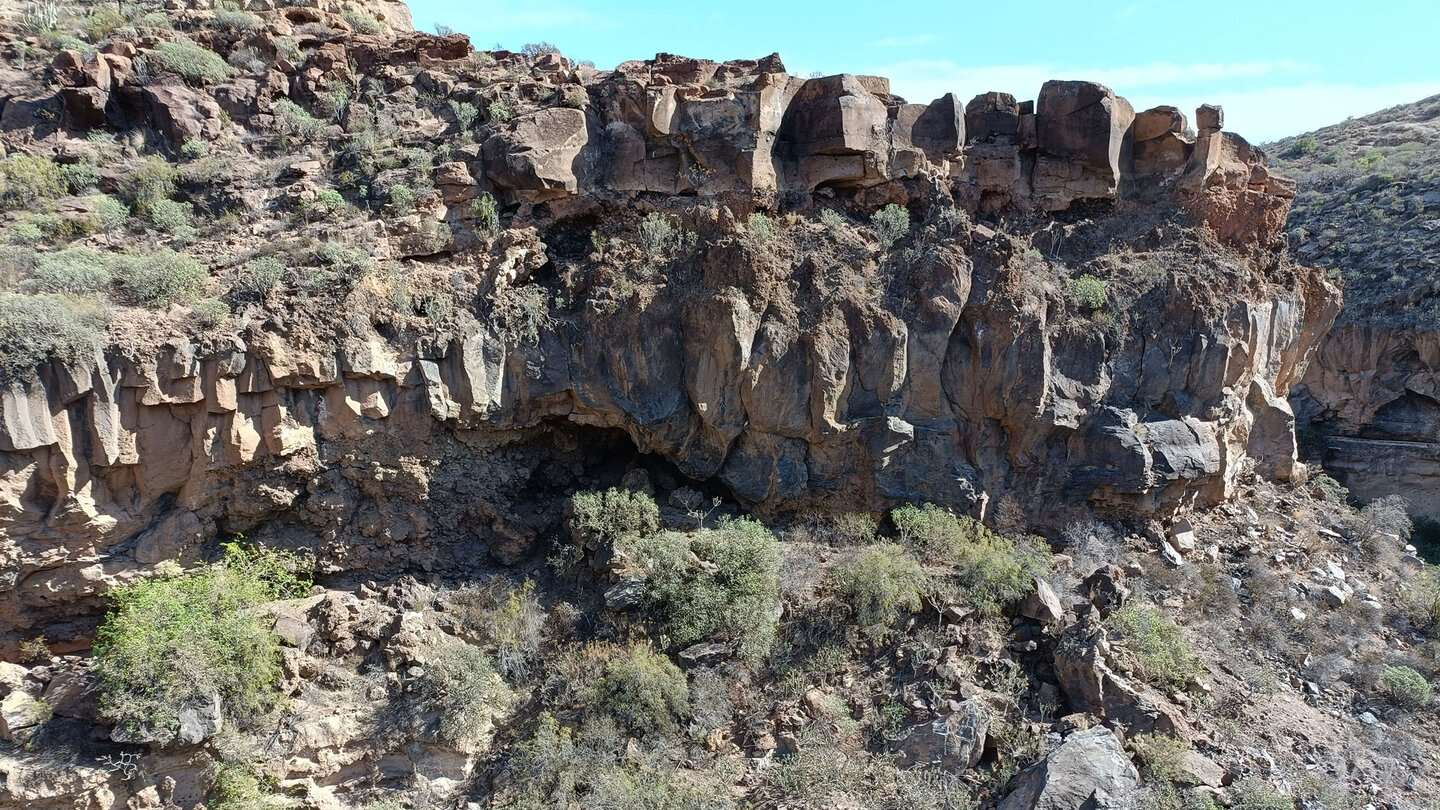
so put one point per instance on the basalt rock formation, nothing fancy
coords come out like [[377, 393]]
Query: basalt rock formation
[[806, 368]]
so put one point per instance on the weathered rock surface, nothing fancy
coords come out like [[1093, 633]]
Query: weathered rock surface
[[1089, 770], [953, 742]]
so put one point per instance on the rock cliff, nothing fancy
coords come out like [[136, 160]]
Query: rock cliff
[[794, 362]]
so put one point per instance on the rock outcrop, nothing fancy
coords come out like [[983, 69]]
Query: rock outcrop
[[950, 370]]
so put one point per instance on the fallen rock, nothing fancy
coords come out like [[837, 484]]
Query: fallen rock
[[1042, 605], [20, 715], [1089, 770], [954, 741]]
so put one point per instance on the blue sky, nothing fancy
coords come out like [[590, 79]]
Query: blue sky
[[1279, 67]]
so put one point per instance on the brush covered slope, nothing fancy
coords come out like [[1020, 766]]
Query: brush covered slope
[[683, 435], [1369, 212]]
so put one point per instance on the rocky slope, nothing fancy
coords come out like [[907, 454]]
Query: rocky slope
[[390, 302], [1368, 212]]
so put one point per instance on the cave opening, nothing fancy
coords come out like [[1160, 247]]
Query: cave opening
[[582, 457]]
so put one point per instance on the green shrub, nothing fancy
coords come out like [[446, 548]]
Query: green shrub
[[236, 787], [534, 49], [516, 628], [402, 198], [461, 686], [80, 177], [161, 278], [992, 571], [599, 519], [234, 21], [1406, 687], [74, 270], [210, 312], [261, 276], [487, 214], [1302, 146], [361, 22], [1162, 756], [292, 119], [560, 769], [890, 224], [108, 212], [102, 22], [575, 97], [1387, 515], [661, 236], [24, 233], [194, 149], [499, 112], [170, 216], [26, 180], [1254, 793], [722, 582], [639, 689], [466, 114], [760, 226], [176, 640], [1087, 292], [1155, 646], [248, 59], [192, 62], [880, 587], [327, 203], [833, 219], [153, 179], [35, 328]]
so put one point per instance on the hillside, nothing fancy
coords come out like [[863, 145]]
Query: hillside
[[388, 423], [1368, 210]]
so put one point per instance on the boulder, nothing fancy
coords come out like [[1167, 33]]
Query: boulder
[[1043, 605], [200, 720], [992, 117], [1085, 122], [182, 113], [1161, 144], [1080, 130], [20, 715], [533, 158], [1106, 589], [954, 741], [1089, 770], [838, 132], [169, 537], [85, 106], [1090, 685]]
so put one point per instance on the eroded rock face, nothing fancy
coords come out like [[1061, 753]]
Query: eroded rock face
[[1372, 395], [957, 377], [945, 390]]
